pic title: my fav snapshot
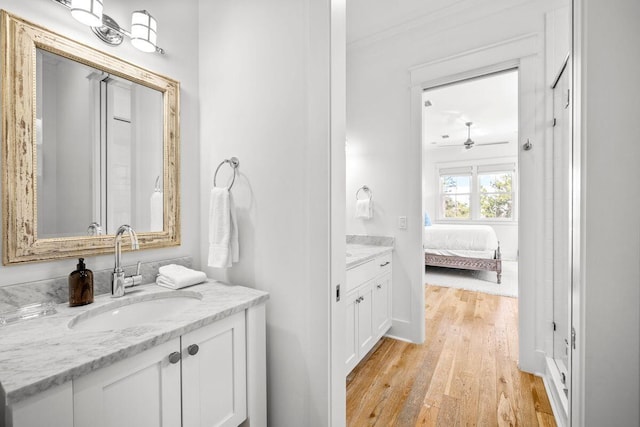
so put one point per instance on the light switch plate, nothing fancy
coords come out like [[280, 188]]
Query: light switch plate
[[402, 222]]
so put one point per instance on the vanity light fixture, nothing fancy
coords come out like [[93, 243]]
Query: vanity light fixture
[[144, 27], [143, 31], [88, 12]]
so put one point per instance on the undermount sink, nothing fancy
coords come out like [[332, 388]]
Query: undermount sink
[[136, 310]]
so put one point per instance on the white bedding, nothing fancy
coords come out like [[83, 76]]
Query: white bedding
[[454, 237], [462, 253]]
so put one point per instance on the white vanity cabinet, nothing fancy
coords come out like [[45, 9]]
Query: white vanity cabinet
[[198, 379], [360, 328], [368, 301], [214, 374], [143, 390], [204, 366], [382, 305]]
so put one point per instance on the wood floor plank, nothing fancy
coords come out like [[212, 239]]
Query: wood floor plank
[[545, 420], [448, 415], [428, 416], [487, 400], [465, 373]]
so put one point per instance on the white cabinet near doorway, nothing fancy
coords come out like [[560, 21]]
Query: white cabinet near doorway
[[368, 301], [198, 379]]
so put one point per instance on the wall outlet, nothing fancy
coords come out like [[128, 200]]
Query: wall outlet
[[402, 222]]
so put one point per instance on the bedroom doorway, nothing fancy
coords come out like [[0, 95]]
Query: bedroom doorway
[[470, 183]]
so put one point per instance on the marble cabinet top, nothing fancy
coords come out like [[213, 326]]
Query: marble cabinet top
[[359, 253], [41, 353]]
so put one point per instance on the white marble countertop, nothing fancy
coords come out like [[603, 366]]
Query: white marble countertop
[[41, 353], [359, 253]]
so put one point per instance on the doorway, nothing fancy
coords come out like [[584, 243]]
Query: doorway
[[470, 183]]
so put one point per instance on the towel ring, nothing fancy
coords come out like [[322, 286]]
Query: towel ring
[[366, 190], [234, 163]]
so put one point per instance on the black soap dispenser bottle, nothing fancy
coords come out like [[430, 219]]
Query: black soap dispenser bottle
[[80, 286]]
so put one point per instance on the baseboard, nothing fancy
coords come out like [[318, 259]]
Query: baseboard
[[553, 386], [399, 338], [401, 330]]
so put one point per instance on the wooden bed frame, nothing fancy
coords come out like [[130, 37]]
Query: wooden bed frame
[[465, 263]]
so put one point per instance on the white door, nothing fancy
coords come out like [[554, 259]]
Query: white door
[[141, 391], [366, 331], [382, 305], [351, 332], [562, 213], [214, 375]]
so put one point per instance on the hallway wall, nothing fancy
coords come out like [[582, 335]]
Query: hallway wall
[[608, 334], [265, 88]]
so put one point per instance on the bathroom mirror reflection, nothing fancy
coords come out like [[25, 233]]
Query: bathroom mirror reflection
[[89, 142], [99, 150]]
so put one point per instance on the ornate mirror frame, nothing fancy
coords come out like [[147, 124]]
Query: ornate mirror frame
[[20, 243]]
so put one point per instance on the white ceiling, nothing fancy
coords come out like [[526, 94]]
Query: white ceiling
[[491, 103]]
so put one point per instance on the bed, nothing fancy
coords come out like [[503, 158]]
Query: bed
[[468, 247]]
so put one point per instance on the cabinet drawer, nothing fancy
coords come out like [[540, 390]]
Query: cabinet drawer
[[361, 274], [383, 264]]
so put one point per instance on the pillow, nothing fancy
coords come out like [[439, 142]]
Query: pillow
[[427, 219]]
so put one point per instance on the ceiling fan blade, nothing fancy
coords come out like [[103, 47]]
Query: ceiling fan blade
[[446, 145], [492, 143]]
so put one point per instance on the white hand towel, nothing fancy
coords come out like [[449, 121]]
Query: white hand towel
[[364, 209], [175, 276], [223, 229], [156, 211]]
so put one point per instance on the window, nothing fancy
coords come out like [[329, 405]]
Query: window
[[455, 193], [478, 192]]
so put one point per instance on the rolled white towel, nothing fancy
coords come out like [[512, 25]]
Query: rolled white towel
[[175, 276], [156, 211]]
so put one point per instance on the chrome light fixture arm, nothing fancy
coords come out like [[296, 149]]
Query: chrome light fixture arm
[[111, 33]]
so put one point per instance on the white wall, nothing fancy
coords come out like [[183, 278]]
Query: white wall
[[608, 293], [381, 152], [178, 35], [264, 79]]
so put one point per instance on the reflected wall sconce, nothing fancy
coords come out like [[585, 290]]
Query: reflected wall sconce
[[144, 27]]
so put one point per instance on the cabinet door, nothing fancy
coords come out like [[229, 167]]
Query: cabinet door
[[214, 380], [52, 407], [382, 305], [351, 347], [366, 338], [141, 391]]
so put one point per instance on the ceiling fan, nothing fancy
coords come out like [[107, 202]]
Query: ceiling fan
[[469, 143]]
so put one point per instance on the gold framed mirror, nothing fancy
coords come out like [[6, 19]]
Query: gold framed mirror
[[59, 186]]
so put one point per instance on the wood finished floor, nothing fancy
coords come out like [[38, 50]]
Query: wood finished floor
[[465, 373]]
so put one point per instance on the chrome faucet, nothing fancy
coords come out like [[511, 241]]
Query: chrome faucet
[[118, 279]]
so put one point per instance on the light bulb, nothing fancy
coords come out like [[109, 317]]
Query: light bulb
[[88, 12], [143, 31]]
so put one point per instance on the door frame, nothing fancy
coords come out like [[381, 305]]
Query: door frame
[[525, 53]]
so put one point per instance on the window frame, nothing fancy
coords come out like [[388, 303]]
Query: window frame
[[476, 169]]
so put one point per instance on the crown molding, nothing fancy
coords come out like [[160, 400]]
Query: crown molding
[[443, 19]]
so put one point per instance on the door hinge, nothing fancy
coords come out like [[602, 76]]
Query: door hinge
[[564, 378], [554, 325], [568, 98], [338, 293], [555, 122], [573, 338]]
